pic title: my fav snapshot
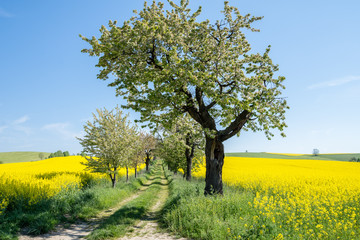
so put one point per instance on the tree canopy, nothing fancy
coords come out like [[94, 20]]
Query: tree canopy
[[169, 62], [182, 144], [108, 142]]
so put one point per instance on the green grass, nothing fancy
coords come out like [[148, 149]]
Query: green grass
[[119, 223], [190, 214], [327, 157], [67, 207], [14, 157]]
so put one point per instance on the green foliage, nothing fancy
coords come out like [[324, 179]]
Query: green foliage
[[182, 140], [166, 63], [354, 159], [316, 152], [172, 151], [108, 142], [59, 153], [41, 156], [169, 62]]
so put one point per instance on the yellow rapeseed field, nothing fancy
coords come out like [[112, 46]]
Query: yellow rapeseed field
[[309, 199], [39, 180]]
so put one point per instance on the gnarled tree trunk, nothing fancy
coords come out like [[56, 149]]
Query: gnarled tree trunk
[[214, 152]]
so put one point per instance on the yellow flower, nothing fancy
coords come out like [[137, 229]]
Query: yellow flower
[[279, 237]]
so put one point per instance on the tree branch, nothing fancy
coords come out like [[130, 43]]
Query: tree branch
[[235, 126]]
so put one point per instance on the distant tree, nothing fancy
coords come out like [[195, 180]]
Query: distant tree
[[149, 142], [66, 153], [41, 156], [172, 151], [354, 159], [190, 134], [106, 142], [59, 153], [186, 137], [51, 155], [316, 152], [138, 154], [1, 162], [134, 149]]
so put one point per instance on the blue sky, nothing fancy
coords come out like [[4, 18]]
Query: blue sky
[[49, 89]]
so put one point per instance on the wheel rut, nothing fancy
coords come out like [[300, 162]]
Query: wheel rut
[[148, 227]]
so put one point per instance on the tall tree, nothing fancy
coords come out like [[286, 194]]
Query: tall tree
[[167, 61], [106, 142]]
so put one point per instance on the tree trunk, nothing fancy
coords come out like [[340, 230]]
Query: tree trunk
[[188, 168], [214, 152], [113, 180], [189, 157], [147, 161], [135, 171], [127, 174]]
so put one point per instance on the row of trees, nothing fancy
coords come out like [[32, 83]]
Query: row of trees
[[169, 63], [181, 144], [58, 153], [112, 142]]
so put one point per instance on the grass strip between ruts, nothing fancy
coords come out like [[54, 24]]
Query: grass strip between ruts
[[118, 223]]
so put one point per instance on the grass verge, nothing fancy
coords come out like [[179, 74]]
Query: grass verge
[[241, 214], [190, 214], [66, 207]]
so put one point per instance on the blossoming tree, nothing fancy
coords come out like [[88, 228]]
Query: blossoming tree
[[168, 61]]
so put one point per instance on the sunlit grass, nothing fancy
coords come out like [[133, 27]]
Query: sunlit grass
[[299, 199]]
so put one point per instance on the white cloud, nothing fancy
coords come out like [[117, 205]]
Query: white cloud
[[61, 129], [17, 125], [334, 83], [21, 120], [5, 14]]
